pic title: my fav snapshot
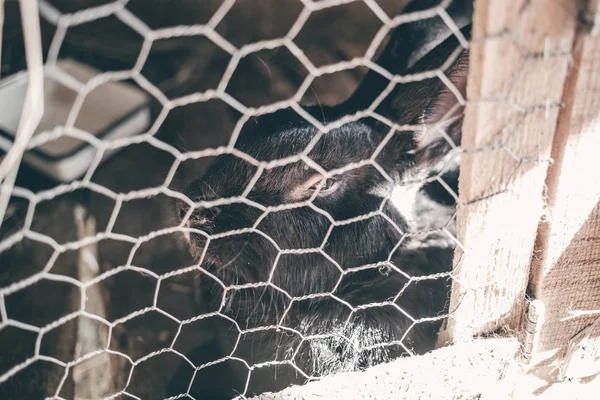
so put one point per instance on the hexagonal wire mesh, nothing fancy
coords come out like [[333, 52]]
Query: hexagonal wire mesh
[[312, 253]]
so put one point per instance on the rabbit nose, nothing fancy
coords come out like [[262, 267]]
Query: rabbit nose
[[203, 216]]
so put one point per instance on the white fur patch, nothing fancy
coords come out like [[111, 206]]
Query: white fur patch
[[403, 198]]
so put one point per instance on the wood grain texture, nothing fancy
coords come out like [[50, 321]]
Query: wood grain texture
[[565, 271], [519, 60]]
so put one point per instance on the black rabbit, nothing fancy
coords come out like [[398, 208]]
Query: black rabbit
[[334, 283]]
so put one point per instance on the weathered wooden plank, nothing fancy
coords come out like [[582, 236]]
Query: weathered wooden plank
[[519, 60], [483, 369], [565, 273]]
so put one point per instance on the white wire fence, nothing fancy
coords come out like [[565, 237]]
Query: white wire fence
[[137, 342]]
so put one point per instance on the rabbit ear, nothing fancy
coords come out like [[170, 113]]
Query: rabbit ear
[[436, 104], [427, 37], [442, 115]]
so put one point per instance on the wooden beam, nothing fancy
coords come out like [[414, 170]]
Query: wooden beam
[[565, 273], [519, 60]]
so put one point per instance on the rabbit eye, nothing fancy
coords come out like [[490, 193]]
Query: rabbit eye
[[307, 189], [328, 187]]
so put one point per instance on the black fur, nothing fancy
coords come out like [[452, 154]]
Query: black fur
[[324, 292]]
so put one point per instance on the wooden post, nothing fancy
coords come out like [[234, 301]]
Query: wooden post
[[520, 54], [565, 273]]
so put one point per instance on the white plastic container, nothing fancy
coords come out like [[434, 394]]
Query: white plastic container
[[111, 110]]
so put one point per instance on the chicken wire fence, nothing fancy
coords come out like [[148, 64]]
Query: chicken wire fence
[[99, 297]]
